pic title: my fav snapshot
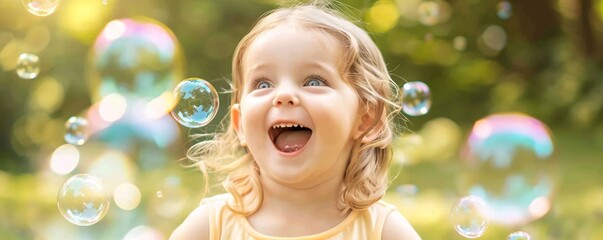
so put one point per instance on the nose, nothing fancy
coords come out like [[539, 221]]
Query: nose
[[285, 96]]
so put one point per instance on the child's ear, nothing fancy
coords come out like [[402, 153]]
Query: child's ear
[[235, 122], [370, 125]]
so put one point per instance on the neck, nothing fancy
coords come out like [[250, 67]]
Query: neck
[[318, 197]]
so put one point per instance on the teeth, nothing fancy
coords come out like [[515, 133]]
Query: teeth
[[283, 125]]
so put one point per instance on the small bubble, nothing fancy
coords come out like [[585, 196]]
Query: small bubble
[[82, 200], [504, 10], [416, 98], [468, 217], [41, 7], [76, 130], [159, 194], [197, 103], [519, 235], [28, 66]]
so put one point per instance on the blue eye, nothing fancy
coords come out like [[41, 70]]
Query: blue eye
[[263, 85], [315, 82]]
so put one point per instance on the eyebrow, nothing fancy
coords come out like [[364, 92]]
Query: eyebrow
[[319, 65]]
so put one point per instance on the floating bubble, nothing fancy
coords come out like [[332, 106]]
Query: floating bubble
[[509, 165], [28, 66], [416, 98], [519, 235], [468, 217], [76, 130], [41, 7], [135, 58], [170, 198], [197, 103], [459, 43], [82, 200], [504, 10]]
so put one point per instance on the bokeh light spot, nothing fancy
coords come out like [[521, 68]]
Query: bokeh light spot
[[127, 196], [112, 107], [64, 159]]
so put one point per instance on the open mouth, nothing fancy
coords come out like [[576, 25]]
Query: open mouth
[[289, 137]]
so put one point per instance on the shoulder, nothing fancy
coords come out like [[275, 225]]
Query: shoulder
[[197, 224], [397, 227]]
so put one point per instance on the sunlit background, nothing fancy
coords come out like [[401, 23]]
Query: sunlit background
[[503, 100]]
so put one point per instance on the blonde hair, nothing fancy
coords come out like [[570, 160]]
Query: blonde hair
[[365, 179]]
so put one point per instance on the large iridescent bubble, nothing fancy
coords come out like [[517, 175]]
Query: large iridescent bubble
[[135, 57], [134, 65], [509, 163]]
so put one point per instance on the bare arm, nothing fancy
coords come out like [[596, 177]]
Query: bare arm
[[195, 226], [397, 227]]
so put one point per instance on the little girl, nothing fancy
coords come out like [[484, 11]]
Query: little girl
[[308, 143]]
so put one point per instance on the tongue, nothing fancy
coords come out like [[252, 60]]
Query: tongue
[[292, 140]]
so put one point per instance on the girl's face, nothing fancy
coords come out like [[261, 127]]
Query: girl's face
[[297, 114]]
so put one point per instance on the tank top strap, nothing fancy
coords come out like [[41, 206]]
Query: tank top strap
[[379, 213], [215, 206]]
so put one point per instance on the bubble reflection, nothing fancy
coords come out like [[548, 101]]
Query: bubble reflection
[[28, 66], [197, 103], [82, 200], [468, 217], [519, 235], [76, 130], [41, 7], [416, 98]]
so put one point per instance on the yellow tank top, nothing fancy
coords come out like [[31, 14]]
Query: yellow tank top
[[359, 224]]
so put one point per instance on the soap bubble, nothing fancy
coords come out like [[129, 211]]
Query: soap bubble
[[76, 130], [82, 200], [135, 58], [504, 10], [509, 165], [519, 235], [416, 98], [28, 66], [170, 197], [41, 7], [197, 103], [468, 217]]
